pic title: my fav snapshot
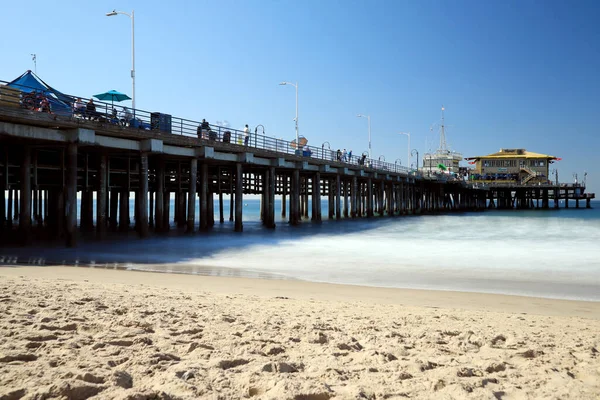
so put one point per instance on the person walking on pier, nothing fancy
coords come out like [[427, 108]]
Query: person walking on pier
[[246, 135], [339, 155], [344, 155], [350, 156]]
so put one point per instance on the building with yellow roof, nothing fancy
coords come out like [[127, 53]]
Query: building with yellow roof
[[512, 165]]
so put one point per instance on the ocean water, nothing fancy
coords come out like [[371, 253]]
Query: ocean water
[[542, 253]]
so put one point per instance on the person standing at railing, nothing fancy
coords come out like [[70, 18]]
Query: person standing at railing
[[344, 155], [78, 107], [350, 156], [90, 110], [203, 129], [246, 135], [125, 116]]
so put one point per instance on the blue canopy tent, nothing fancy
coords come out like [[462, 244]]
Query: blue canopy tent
[[29, 82]]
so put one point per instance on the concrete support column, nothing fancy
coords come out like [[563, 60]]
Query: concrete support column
[[204, 196], [284, 190], [330, 199], [124, 211], [271, 177], [369, 198], [25, 214], [338, 197], [317, 197], [381, 194], [114, 207], [295, 198], [231, 196], [211, 208], [167, 210], [354, 197], [160, 191], [239, 193], [71, 195], [191, 200], [16, 206], [9, 203], [101, 196], [143, 195], [346, 187], [151, 206], [221, 215]]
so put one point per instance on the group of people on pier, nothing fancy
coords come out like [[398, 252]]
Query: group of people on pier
[[205, 132], [88, 111], [36, 101]]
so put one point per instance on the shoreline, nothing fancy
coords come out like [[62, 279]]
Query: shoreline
[[307, 290]]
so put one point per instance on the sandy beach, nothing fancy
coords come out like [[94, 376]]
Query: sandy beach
[[75, 333]]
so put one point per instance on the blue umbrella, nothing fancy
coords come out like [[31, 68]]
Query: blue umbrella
[[113, 96]]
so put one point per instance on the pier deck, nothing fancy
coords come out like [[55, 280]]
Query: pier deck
[[54, 167]]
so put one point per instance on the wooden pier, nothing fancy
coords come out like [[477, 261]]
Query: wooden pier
[[543, 196], [52, 168]]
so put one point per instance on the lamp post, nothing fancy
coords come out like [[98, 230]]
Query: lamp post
[[397, 162], [368, 117], [407, 134], [132, 16], [296, 119], [256, 134], [323, 149], [413, 152]]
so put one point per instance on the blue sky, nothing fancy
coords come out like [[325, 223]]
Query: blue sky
[[510, 74]]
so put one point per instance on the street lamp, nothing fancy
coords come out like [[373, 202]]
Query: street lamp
[[256, 134], [296, 119], [323, 149], [113, 13], [413, 152], [407, 134], [368, 117]]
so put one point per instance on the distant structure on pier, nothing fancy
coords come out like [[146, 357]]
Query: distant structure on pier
[[517, 166], [443, 160]]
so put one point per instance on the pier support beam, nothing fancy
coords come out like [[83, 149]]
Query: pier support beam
[[25, 214], [114, 207], [317, 188], [124, 211], [159, 201], [101, 196], [191, 213], [369, 198], [270, 187], [346, 186], [284, 190], [204, 197], [354, 197], [71, 195], [295, 198], [330, 199], [239, 193], [143, 196], [338, 197], [9, 206]]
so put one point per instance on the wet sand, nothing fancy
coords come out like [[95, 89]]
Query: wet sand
[[77, 333]]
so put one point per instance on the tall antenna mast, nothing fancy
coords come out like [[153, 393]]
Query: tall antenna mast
[[34, 59], [442, 134]]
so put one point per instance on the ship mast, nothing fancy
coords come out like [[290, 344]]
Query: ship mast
[[443, 134]]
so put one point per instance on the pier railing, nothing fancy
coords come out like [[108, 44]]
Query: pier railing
[[63, 106]]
